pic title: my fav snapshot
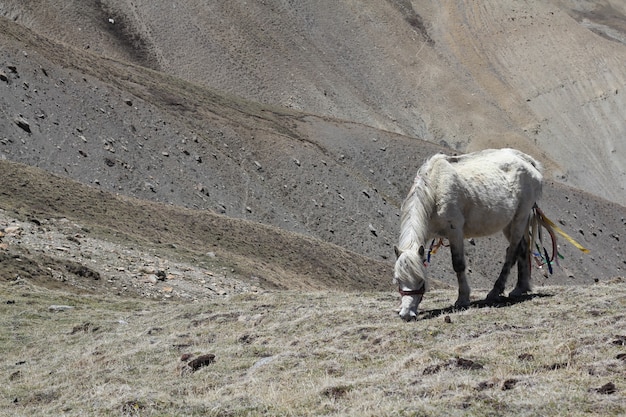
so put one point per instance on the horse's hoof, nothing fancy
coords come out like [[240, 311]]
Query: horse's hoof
[[462, 305], [517, 293], [494, 296]]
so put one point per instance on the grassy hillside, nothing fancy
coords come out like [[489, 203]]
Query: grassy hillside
[[298, 353]]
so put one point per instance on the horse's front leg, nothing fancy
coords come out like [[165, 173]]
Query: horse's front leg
[[458, 263]]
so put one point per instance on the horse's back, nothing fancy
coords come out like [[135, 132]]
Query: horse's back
[[486, 188], [501, 167], [504, 159]]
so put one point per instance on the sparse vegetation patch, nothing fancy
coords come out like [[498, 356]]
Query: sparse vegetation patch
[[321, 353]]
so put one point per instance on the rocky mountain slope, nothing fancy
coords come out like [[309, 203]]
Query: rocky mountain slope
[[88, 95], [546, 77]]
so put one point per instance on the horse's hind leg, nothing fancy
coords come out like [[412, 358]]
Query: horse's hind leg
[[523, 270], [500, 284], [514, 233]]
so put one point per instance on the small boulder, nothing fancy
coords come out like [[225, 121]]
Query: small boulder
[[201, 361], [606, 389], [22, 123]]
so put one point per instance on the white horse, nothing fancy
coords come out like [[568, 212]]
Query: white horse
[[472, 195]]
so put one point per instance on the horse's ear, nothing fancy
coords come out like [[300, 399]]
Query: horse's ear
[[397, 251], [421, 250]]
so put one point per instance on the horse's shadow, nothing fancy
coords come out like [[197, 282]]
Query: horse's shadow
[[500, 302]]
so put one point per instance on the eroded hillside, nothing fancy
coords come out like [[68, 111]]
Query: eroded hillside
[[546, 77]]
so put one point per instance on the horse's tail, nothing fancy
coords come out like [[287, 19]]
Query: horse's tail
[[538, 221]]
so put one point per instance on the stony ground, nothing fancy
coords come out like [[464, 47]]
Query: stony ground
[[545, 77]]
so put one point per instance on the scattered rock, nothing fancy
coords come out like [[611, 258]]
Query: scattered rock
[[201, 361], [155, 330], [151, 279], [262, 362], [128, 101], [22, 124], [556, 366], [432, 369], [619, 340], [12, 230], [82, 271], [4, 77], [509, 384], [147, 269], [447, 319], [81, 328], [57, 308], [336, 392], [607, 389], [467, 364], [526, 357], [185, 357], [453, 363], [485, 385], [621, 357], [246, 338]]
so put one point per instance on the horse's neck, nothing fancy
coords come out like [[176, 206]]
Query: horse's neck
[[416, 212]]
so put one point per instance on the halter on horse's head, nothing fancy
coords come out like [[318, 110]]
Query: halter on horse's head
[[410, 275]]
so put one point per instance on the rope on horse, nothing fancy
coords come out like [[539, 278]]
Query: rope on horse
[[539, 220]]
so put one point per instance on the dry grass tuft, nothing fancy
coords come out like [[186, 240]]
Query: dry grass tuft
[[321, 353]]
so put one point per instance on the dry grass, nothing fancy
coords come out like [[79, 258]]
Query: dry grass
[[288, 353]]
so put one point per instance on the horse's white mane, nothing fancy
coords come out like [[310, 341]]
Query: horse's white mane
[[417, 208]]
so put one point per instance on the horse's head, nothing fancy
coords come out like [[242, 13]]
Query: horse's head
[[410, 275]]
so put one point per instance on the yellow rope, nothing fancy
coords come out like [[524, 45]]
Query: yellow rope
[[562, 233]]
